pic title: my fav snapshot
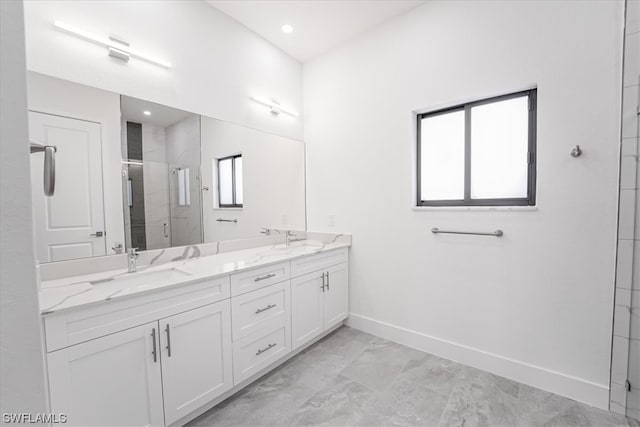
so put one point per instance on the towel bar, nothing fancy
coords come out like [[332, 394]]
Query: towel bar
[[226, 220], [497, 233]]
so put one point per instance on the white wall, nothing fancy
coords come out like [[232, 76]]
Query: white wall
[[22, 384], [55, 96], [273, 181], [535, 305], [217, 63]]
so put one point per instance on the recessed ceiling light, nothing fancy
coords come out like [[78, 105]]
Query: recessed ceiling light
[[286, 28], [147, 113]]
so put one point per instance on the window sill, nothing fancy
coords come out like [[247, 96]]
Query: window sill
[[475, 208], [227, 209]]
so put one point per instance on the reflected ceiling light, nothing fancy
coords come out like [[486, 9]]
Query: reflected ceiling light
[[274, 107], [116, 47], [146, 113], [287, 29]]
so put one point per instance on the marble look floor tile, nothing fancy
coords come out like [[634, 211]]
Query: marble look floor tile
[[477, 404], [541, 408], [336, 351], [379, 365], [404, 403], [433, 372], [467, 374], [352, 378], [296, 378], [231, 412], [340, 403]]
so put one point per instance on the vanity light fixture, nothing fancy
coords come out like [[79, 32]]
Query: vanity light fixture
[[274, 107], [146, 113], [117, 48], [287, 29]]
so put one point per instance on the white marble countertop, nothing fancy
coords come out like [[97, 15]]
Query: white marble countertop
[[98, 288]]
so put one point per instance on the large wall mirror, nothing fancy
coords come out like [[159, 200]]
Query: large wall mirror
[[135, 174]]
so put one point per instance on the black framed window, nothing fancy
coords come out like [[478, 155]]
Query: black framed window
[[230, 193], [481, 153]]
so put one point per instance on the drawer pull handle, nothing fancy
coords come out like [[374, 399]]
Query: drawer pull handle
[[268, 276], [154, 351], [327, 280], [269, 347], [269, 307], [168, 340]]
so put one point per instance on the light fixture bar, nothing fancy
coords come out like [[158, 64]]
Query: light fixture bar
[[274, 107], [111, 44]]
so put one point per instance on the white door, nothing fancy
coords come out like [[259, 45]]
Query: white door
[[336, 296], [196, 358], [110, 381], [68, 224], [306, 308]]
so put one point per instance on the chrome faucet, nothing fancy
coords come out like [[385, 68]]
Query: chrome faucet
[[288, 237], [266, 231], [132, 258]]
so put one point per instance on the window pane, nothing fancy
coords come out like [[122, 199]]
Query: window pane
[[239, 196], [442, 157], [499, 147], [225, 181]]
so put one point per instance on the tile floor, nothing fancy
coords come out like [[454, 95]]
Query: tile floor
[[355, 379]]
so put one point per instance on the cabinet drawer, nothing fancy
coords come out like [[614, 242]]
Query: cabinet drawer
[[257, 351], [76, 326], [251, 280], [318, 262], [265, 308]]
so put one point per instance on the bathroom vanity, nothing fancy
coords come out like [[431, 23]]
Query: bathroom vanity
[[166, 343], [218, 294]]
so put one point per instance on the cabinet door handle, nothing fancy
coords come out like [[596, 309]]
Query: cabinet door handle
[[168, 340], [269, 347], [269, 307], [322, 282], [268, 276], [154, 351], [327, 273]]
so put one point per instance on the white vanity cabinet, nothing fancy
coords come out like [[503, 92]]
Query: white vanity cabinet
[[195, 349], [145, 375], [320, 298], [162, 357], [261, 317], [111, 381]]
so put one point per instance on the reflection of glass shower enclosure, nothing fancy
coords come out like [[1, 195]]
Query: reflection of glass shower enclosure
[[162, 205], [184, 205], [161, 184]]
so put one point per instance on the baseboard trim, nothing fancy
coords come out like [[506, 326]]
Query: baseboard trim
[[556, 382]]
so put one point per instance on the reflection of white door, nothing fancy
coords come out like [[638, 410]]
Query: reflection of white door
[[70, 224]]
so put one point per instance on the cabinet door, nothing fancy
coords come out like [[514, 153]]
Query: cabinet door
[[306, 308], [196, 358], [110, 381], [336, 295]]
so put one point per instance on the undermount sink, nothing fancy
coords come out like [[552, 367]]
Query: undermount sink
[[142, 279]]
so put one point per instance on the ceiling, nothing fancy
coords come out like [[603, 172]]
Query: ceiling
[[317, 25], [132, 110]]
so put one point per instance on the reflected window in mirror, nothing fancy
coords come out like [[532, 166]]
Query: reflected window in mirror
[[230, 181]]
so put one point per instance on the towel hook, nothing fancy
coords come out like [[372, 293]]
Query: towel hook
[[576, 152]]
